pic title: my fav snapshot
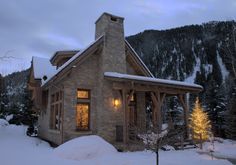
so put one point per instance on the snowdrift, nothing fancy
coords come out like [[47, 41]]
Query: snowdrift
[[3, 123], [86, 147]]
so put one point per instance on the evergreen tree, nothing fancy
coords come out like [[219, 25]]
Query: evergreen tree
[[216, 106], [1, 94], [231, 117], [22, 111], [4, 104], [174, 112], [199, 123]]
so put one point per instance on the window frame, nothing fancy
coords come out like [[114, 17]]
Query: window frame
[[78, 128], [56, 108], [82, 89], [85, 101]]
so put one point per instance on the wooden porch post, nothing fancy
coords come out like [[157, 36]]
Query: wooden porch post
[[183, 101], [125, 115], [157, 99], [154, 110], [126, 100]]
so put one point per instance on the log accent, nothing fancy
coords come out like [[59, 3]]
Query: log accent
[[120, 83], [183, 101], [158, 93], [148, 88], [157, 99], [126, 98]]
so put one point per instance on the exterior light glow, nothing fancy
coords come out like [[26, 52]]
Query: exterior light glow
[[116, 103], [199, 123]]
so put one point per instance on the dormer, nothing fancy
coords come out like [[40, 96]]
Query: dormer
[[60, 57]]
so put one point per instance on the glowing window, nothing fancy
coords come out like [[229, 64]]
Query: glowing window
[[82, 94], [82, 116]]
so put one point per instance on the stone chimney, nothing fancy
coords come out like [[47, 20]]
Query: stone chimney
[[113, 56]]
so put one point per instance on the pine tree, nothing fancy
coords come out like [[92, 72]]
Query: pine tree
[[230, 116], [216, 102], [199, 123], [174, 112], [1, 93]]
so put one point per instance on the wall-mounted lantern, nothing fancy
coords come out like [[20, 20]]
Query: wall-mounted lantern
[[116, 102]]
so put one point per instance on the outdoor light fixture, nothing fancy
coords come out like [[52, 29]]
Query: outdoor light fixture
[[116, 102]]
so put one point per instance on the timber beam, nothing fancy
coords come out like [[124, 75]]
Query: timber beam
[[126, 98], [183, 101], [148, 88], [157, 99]]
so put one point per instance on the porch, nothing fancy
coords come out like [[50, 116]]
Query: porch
[[157, 90]]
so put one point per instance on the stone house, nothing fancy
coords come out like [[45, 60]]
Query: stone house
[[99, 90]]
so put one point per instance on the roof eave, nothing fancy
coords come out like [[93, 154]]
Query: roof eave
[[64, 68], [192, 89]]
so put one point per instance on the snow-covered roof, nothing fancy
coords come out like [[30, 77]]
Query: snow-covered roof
[[42, 67], [152, 80], [71, 60], [63, 52]]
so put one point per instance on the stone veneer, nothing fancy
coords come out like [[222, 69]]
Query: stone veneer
[[89, 74]]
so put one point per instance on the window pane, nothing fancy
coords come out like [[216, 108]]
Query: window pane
[[52, 117], [82, 94], [57, 117], [83, 116]]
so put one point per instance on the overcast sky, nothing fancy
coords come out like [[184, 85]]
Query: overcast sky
[[39, 28]]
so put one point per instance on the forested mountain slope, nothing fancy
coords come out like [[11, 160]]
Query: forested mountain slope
[[204, 54]]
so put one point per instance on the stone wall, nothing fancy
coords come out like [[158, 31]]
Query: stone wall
[[89, 74]]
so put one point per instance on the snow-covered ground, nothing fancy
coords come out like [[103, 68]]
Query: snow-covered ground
[[222, 148], [18, 149]]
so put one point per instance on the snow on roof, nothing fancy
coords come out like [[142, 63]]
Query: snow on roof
[[42, 67], [139, 58], [151, 79], [62, 52], [70, 60]]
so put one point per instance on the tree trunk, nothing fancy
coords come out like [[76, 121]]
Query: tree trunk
[[201, 141], [157, 157]]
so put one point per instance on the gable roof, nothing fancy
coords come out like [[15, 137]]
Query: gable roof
[[65, 53], [45, 68], [78, 55]]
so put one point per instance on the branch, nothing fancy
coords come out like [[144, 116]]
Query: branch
[[6, 56]]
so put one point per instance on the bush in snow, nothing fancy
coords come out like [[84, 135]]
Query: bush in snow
[[155, 140], [86, 147]]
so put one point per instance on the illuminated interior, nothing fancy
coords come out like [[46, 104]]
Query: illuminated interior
[[82, 94], [82, 113]]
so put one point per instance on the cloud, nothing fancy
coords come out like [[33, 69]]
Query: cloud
[[42, 27]]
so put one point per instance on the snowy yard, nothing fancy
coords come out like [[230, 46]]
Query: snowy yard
[[18, 149]]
